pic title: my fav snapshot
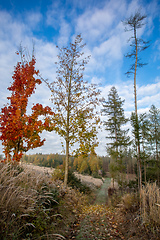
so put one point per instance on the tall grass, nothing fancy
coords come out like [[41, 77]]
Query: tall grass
[[151, 204], [31, 202]]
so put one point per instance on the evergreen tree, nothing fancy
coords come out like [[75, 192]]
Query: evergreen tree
[[140, 130], [119, 139], [154, 118]]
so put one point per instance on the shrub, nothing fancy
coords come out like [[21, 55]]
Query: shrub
[[130, 202], [58, 174], [73, 181]]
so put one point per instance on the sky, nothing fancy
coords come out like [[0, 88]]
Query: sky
[[49, 23]]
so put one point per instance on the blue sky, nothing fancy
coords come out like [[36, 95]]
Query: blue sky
[[49, 23]]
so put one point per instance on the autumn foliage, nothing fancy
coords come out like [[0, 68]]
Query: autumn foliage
[[19, 131]]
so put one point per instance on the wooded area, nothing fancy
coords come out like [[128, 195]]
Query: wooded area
[[132, 144]]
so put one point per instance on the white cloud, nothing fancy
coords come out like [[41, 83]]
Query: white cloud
[[149, 100], [94, 22], [65, 31], [54, 14], [33, 19], [149, 89], [96, 80], [46, 56], [97, 23], [109, 50], [51, 145]]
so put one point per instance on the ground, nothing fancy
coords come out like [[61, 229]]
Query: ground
[[99, 221], [96, 220]]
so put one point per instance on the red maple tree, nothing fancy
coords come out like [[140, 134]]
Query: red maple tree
[[19, 131]]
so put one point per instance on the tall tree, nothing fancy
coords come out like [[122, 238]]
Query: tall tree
[[113, 108], [145, 136], [74, 101], [140, 130], [133, 23], [19, 131], [154, 118]]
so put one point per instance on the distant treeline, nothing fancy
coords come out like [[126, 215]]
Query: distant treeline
[[45, 160], [87, 165]]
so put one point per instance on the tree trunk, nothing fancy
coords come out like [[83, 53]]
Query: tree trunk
[[67, 148], [66, 163], [67, 131], [145, 172], [135, 99]]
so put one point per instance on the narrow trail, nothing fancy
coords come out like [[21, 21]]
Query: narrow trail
[[102, 194], [97, 220]]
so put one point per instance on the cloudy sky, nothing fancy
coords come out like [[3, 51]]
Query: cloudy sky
[[48, 23]]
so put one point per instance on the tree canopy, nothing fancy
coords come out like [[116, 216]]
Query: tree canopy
[[19, 131]]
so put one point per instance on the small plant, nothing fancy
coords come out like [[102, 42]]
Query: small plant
[[58, 174]]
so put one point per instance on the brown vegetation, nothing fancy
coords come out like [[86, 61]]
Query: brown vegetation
[[32, 206]]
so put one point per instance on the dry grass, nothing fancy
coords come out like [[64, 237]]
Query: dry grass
[[84, 178], [89, 180], [130, 202], [38, 169], [151, 204], [33, 206]]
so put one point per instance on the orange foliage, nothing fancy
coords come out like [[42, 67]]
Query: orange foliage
[[19, 131]]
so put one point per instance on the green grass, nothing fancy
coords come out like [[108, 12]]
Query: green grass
[[103, 192]]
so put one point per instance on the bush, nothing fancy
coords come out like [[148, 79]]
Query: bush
[[73, 181], [130, 202], [58, 174]]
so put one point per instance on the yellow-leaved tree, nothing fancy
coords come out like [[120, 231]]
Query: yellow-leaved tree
[[74, 101]]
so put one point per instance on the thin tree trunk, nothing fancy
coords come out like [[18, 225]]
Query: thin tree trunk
[[145, 174], [135, 99], [67, 148], [66, 163], [113, 182], [156, 150], [67, 130]]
